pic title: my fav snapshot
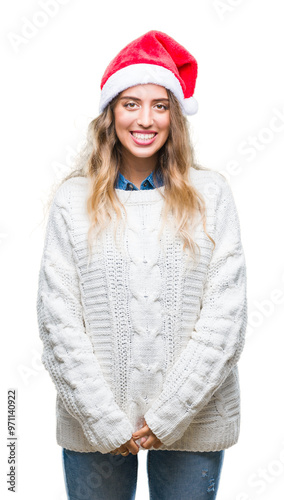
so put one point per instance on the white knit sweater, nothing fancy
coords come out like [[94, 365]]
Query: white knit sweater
[[139, 332]]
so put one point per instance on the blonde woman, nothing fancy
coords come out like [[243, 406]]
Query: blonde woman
[[142, 304]]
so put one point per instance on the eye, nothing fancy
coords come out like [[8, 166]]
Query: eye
[[163, 106], [130, 105]]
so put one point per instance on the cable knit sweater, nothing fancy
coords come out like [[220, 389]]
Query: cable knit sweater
[[138, 331]]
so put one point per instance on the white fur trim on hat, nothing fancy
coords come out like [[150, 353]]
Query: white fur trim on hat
[[136, 74]]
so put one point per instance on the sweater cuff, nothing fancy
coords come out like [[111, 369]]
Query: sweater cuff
[[162, 422], [106, 438]]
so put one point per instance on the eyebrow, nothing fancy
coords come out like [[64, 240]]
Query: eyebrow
[[137, 98]]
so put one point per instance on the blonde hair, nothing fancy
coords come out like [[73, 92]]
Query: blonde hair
[[100, 158]]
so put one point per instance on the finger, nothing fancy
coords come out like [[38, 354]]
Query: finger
[[133, 447], [152, 441], [141, 432], [158, 444], [125, 452], [123, 447], [149, 443]]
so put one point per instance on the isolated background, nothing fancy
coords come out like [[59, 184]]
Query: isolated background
[[50, 91]]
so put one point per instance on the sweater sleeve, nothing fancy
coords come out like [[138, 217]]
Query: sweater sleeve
[[218, 336], [67, 350]]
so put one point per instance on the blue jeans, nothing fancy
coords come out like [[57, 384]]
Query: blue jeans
[[172, 475]]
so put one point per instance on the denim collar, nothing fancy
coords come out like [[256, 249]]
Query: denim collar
[[148, 183]]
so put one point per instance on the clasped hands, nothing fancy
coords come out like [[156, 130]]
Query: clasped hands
[[148, 439]]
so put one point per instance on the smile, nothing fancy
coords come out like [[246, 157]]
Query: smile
[[145, 138]]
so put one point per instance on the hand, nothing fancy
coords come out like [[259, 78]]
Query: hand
[[145, 434], [148, 438], [129, 446]]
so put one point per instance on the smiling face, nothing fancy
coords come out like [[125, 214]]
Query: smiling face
[[142, 120]]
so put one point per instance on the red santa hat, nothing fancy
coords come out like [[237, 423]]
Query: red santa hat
[[152, 58]]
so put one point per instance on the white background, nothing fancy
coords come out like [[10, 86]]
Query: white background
[[50, 91]]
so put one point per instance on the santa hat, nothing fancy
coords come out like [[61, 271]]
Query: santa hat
[[152, 58]]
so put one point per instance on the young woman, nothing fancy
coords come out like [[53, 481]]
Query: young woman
[[142, 304]]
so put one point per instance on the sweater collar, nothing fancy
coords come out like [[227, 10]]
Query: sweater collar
[[140, 196]]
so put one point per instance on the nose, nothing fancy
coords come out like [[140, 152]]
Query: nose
[[145, 118]]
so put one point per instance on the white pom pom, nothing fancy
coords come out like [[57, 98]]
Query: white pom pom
[[190, 105]]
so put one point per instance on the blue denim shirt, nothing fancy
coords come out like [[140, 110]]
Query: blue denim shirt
[[148, 183]]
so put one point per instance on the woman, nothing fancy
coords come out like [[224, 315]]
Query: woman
[[142, 304]]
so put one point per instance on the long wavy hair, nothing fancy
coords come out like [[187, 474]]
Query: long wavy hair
[[100, 159]]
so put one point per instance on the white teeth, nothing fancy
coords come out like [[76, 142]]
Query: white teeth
[[143, 136]]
